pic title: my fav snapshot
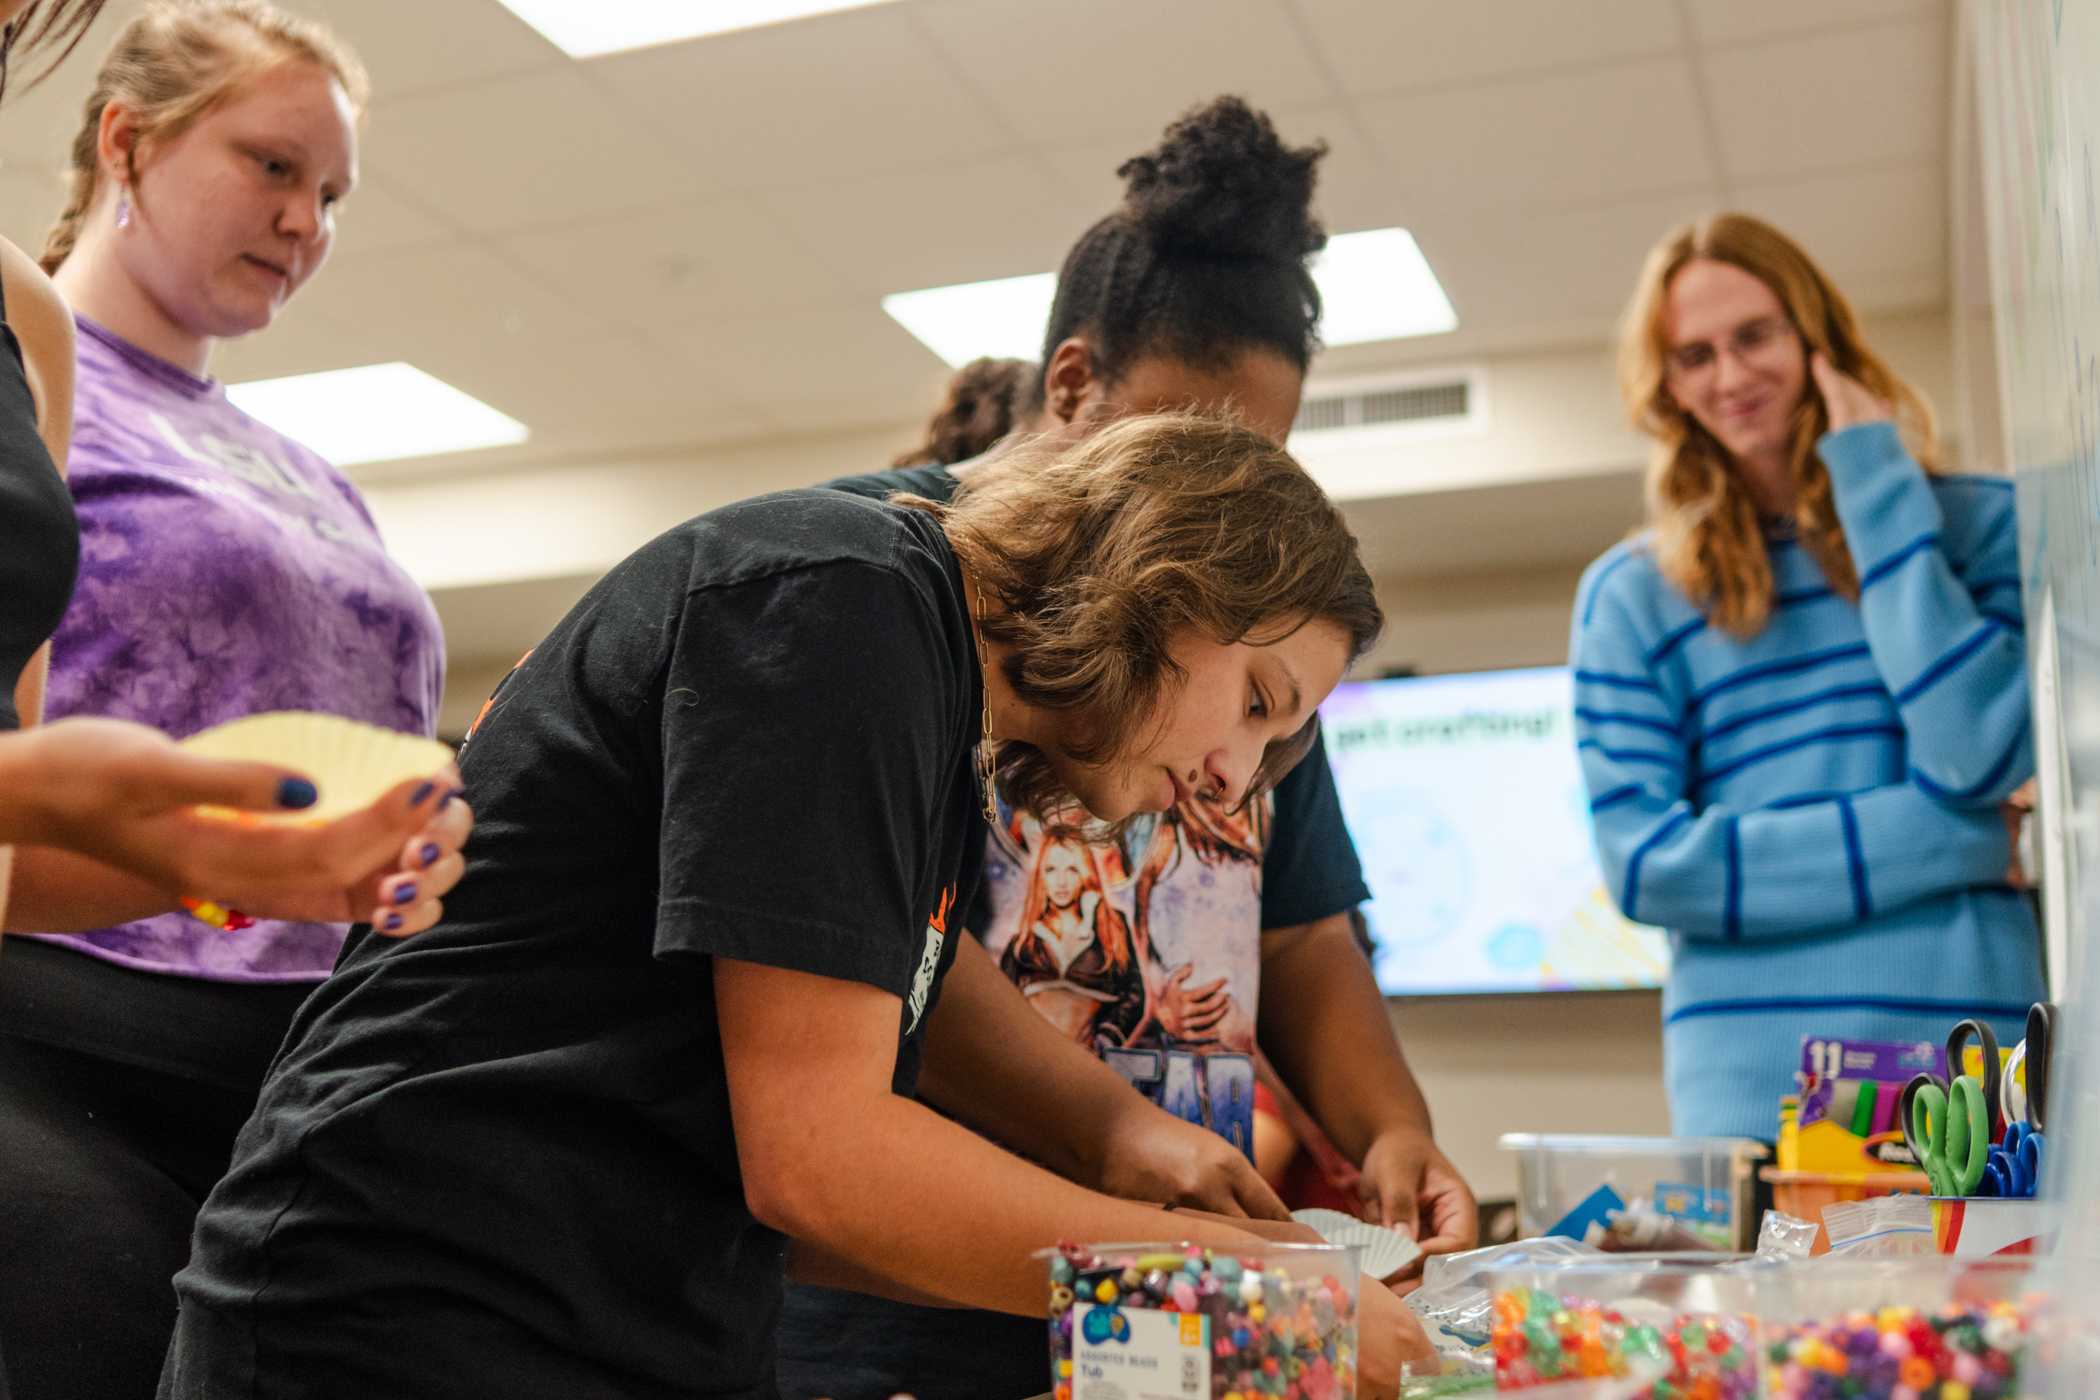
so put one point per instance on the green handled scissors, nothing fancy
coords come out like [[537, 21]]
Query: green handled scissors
[[1947, 1123], [1949, 1131]]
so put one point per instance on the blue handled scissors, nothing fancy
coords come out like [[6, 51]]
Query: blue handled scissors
[[2014, 1168], [1947, 1122]]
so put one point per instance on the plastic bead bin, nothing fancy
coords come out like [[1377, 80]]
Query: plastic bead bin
[[1640, 1193], [1184, 1322]]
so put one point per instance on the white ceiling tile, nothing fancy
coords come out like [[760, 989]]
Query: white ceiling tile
[[377, 219], [1383, 46], [513, 152], [618, 394], [414, 45], [1861, 97], [687, 244], [841, 97], [1732, 21], [681, 262], [1582, 138], [1535, 271], [817, 367], [1110, 69], [1355, 189], [1881, 235], [460, 300], [960, 223]]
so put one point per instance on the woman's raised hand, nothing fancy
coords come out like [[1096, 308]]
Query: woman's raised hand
[[1848, 402]]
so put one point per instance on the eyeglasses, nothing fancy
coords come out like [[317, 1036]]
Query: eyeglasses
[[1751, 342]]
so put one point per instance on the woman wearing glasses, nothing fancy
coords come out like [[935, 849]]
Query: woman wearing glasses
[[1801, 697]]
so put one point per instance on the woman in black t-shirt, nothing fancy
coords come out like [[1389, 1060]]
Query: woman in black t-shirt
[[665, 1042]]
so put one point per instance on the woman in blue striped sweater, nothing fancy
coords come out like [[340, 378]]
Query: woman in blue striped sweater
[[1801, 694]]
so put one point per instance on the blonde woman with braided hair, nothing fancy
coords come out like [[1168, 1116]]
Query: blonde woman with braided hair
[[1801, 698], [224, 570]]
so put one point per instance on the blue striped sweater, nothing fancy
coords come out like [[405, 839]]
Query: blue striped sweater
[[1813, 813]]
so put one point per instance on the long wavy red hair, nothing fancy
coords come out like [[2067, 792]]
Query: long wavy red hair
[[1110, 928]]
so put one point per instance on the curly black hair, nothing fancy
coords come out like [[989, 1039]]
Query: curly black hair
[[1206, 258]]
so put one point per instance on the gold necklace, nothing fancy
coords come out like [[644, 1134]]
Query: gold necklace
[[987, 765]]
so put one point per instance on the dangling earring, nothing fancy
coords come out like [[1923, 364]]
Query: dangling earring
[[124, 209]]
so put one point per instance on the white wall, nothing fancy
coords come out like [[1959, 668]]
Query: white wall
[[1589, 1063]]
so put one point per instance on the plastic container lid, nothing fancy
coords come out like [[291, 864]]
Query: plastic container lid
[[1632, 1146]]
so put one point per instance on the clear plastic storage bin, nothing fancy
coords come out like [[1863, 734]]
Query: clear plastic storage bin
[[1681, 1193], [1170, 1321]]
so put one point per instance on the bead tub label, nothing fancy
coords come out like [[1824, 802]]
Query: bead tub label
[[1139, 1354], [1688, 1202]]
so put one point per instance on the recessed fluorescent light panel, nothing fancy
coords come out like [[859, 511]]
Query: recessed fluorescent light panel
[[1004, 317], [1374, 285], [375, 413], [588, 28]]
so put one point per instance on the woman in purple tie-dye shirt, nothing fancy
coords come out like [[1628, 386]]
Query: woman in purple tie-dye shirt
[[224, 570]]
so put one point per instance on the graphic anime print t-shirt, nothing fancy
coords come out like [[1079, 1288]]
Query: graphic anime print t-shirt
[[1148, 950]]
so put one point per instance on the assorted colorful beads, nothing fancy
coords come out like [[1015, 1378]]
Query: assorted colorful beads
[[1272, 1334], [1955, 1353], [1539, 1338]]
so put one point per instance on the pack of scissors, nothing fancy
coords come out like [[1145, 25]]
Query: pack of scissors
[[1981, 1134]]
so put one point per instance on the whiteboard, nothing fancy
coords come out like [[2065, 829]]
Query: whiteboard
[[2038, 90]]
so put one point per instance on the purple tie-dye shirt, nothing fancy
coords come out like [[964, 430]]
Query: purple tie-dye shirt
[[224, 570]]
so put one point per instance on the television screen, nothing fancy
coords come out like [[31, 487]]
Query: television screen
[[1470, 816]]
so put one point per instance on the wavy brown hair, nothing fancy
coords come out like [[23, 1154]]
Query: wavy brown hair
[[1709, 541], [171, 65], [1096, 556]]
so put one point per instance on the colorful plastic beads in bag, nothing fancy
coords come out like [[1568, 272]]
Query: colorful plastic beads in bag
[[1540, 1338], [1954, 1353]]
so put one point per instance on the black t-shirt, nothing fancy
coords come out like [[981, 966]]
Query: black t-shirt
[[1310, 868], [39, 537], [502, 1149], [1292, 863]]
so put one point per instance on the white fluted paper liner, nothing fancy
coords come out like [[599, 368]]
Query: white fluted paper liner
[[349, 762], [1383, 1252]]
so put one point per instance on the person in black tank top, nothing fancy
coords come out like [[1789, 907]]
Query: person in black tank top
[[39, 543]]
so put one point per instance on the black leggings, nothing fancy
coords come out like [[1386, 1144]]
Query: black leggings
[[120, 1096]]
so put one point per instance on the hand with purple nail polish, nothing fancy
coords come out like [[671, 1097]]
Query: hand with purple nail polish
[[146, 823], [402, 902]]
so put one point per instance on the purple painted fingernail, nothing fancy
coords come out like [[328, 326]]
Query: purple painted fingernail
[[405, 893], [446, 800], [393, 923], [429, 853], [423, 791]]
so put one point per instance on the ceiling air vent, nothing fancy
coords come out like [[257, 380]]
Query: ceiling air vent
[[1440, 398], [1374, 434]]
